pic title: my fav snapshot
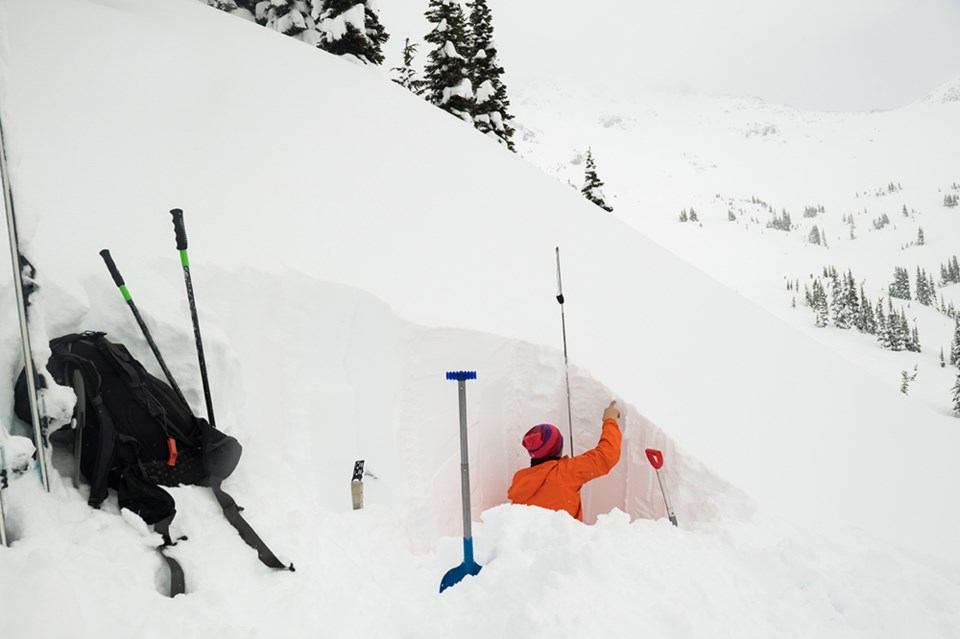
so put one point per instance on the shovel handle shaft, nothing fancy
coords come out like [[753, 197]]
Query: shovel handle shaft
[[666, 498]]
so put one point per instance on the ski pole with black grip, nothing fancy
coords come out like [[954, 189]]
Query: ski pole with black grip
[[118, 280], [566, 364], [181, 233]]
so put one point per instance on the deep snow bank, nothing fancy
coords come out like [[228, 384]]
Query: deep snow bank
[[379, 191]]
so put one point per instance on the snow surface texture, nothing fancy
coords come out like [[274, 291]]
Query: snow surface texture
[[330, 314]]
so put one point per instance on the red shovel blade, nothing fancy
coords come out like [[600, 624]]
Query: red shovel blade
[[655, 457]]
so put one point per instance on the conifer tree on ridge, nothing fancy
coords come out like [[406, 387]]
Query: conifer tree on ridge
[[592, 184], [447, 72], [349, 27], [407, 75], [490, 115], [289, 17], [956, 396]]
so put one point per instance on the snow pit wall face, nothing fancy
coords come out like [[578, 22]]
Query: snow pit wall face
[[340, 377]]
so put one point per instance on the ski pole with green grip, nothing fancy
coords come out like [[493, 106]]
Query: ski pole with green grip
[[118, 280], [181, 233]]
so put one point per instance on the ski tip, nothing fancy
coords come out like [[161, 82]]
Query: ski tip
[[461, 375]]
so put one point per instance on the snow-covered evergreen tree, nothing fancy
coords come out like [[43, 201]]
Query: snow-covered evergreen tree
[[490, 115], [843, 315], [406, 76], [925, 295], [899, 329], [447, 72], [900, 288], [223, 5], [905, 379], [913, 343], [592, 184], [290, 17], [955, 344], [867, 321], [883, 327], [814, 235], [820, 310], [956, 396], [851, 305], [350, 28]]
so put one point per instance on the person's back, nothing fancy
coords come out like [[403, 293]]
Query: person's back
[[554, 482]]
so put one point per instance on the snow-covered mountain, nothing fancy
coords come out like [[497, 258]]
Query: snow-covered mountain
[[350, 244]]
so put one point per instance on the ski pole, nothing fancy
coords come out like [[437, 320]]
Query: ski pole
[[118, 280], [566, 363], [469, 566], [3, 486], [656, 460], [181, 233], [19, 264]]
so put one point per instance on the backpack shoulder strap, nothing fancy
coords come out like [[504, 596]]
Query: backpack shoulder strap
[[232, 512]]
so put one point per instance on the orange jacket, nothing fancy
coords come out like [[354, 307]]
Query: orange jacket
[[556, 484]]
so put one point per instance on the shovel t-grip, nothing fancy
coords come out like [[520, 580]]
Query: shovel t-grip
[[655, 457]]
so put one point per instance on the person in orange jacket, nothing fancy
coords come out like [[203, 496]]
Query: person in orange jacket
[[553, 481]]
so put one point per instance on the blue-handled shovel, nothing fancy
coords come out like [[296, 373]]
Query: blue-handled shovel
[[469, 566]]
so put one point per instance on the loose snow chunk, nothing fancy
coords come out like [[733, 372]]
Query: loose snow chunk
[[356, 16], [336, 28], [290, 22], [449, 50], [485, 91], [464, 90], [481, 55]]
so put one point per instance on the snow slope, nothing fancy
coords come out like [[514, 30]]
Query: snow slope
[[345, 260]]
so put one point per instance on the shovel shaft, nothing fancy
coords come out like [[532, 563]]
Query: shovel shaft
[[464, 464], [666, 498]]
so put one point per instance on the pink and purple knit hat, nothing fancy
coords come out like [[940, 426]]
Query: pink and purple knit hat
[[543, 441]]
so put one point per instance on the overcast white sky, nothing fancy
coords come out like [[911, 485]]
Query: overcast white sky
[[818, 54]]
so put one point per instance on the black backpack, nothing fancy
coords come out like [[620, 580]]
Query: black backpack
[[134, 434]]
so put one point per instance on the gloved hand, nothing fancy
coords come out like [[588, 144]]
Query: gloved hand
[[611, 411]]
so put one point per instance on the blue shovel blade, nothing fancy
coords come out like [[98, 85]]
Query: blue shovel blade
[[456, 575]]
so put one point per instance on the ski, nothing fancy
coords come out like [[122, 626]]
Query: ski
[[24, 271], [356, 485]]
